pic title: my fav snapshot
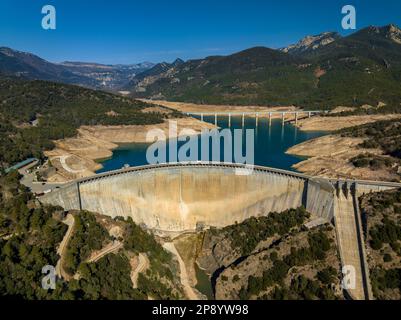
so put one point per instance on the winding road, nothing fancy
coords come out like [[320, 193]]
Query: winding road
[[112, 247], [142, 264], [70, 222]]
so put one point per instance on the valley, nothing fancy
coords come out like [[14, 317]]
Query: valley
[[324, 192]]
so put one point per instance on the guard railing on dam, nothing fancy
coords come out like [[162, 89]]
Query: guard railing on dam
[[253, 168]]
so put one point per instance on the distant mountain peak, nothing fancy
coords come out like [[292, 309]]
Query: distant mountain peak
[[177, 62], [7, 51], [15, 53], [394, 33], [310, 43], [391, 32]]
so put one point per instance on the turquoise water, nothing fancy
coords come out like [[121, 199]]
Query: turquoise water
[[271, 142]]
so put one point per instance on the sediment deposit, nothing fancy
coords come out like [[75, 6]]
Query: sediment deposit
[[192, 107], [334, 123], [330, 156], [76, 157]]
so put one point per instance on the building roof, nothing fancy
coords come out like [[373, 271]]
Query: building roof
[[21, 164]]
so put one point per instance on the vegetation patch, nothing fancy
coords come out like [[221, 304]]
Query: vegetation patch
[[31, 232], [382, 224], [373, 162], [300, 286], [88, 236], [247, 235], [60, 110]]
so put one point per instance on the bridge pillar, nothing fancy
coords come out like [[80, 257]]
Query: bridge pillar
[[201, 116], [215, 119], [296, 118], [257, 118], [282, 117], [243, 119], [270, 118], [309, 114], [229, 119]]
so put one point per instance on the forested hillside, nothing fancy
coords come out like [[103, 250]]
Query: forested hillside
[[381, 213], [34, 113], [363, 68], [273, 257], [30, 234]]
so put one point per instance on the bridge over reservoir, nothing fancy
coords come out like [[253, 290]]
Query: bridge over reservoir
[[289, 115], [176, 197]]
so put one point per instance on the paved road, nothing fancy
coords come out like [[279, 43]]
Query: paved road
[[28, 180], [37, 187], [69, 221]]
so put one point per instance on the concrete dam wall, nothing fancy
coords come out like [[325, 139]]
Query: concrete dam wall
[[179, 198]]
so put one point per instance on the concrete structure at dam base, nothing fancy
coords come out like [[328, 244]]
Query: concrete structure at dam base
[[176, 198]]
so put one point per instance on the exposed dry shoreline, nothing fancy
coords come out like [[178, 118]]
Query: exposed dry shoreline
[[336, 123], [77, 157], [330, 156], [185, 107]]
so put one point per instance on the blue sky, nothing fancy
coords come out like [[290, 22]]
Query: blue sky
[[129, 31]]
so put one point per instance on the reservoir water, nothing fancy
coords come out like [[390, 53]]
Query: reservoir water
[[270, 144]]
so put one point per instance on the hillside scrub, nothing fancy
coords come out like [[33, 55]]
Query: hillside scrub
[[60, 110], [382, 223], [31, 232]]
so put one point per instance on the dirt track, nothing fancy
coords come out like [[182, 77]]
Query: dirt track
[[70, 222], [139, 264], [112, 247]]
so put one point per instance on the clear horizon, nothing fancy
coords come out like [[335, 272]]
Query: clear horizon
[[125, 32]]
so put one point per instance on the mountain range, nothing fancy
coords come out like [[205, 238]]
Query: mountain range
[[311, 43], [93, 75], [320, 71]]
